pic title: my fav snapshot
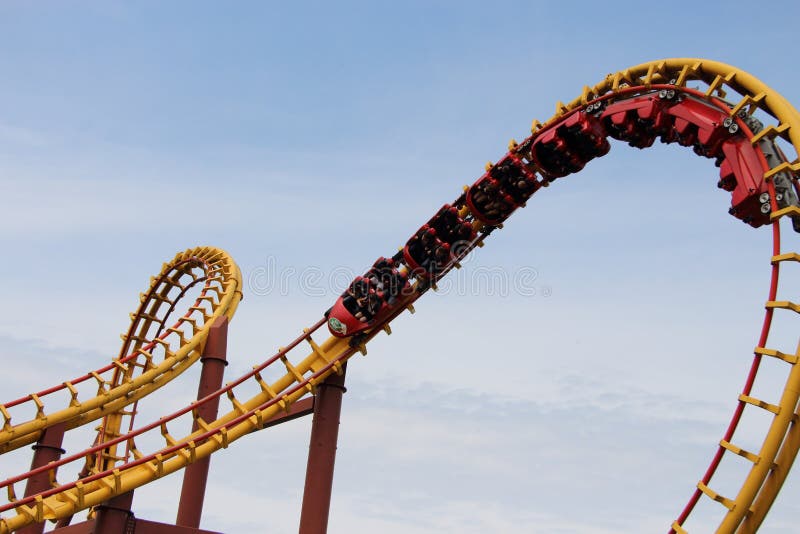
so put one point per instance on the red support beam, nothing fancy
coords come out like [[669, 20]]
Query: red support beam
[[195, 476], [134, 526], [322, 455], [115, 516], [47, 449], [298, 409]]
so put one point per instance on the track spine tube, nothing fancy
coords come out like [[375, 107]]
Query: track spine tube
[[109, 484]]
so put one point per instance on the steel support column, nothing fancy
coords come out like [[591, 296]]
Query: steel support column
[[47, 449], [195, 476], [322, 455], [115, 516]]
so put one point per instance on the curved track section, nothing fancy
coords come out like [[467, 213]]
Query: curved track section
[[719, 111], [154, 351], [770, 465]]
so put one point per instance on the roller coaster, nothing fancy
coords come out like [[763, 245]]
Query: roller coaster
[[751, 133]]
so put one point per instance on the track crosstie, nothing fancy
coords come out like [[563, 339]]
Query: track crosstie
[[751, 132]]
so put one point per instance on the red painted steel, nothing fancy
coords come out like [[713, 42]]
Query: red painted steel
[[299, 409], [152, 527], [135, 526], [322, 455], [233, 422], [322, 449], [114, 516], [107, 368], [47, 449], [751, 376], [748, 386], [168, 418], [195, 476]]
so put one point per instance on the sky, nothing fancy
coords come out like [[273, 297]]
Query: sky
[[575, 376]]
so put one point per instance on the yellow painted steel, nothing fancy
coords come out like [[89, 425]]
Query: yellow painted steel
[[777, 453], [122, 480], [142, 321], [226, 283], [780, 446], [743, 512], [683, 70]]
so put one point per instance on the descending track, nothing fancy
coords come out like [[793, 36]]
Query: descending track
[[720, 112]]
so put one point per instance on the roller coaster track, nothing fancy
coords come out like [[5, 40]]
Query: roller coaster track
[[299, 367], [146, 362]]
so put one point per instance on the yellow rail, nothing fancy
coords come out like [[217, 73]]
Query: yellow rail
[[780, 446], [299, 375], [142, 372]]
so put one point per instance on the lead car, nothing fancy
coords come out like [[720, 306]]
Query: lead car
[[369, 299]]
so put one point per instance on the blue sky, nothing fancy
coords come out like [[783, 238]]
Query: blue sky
[[321, 136]]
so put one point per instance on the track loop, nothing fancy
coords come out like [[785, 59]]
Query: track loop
[[156, 348], [750, 104], [720, 112]]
